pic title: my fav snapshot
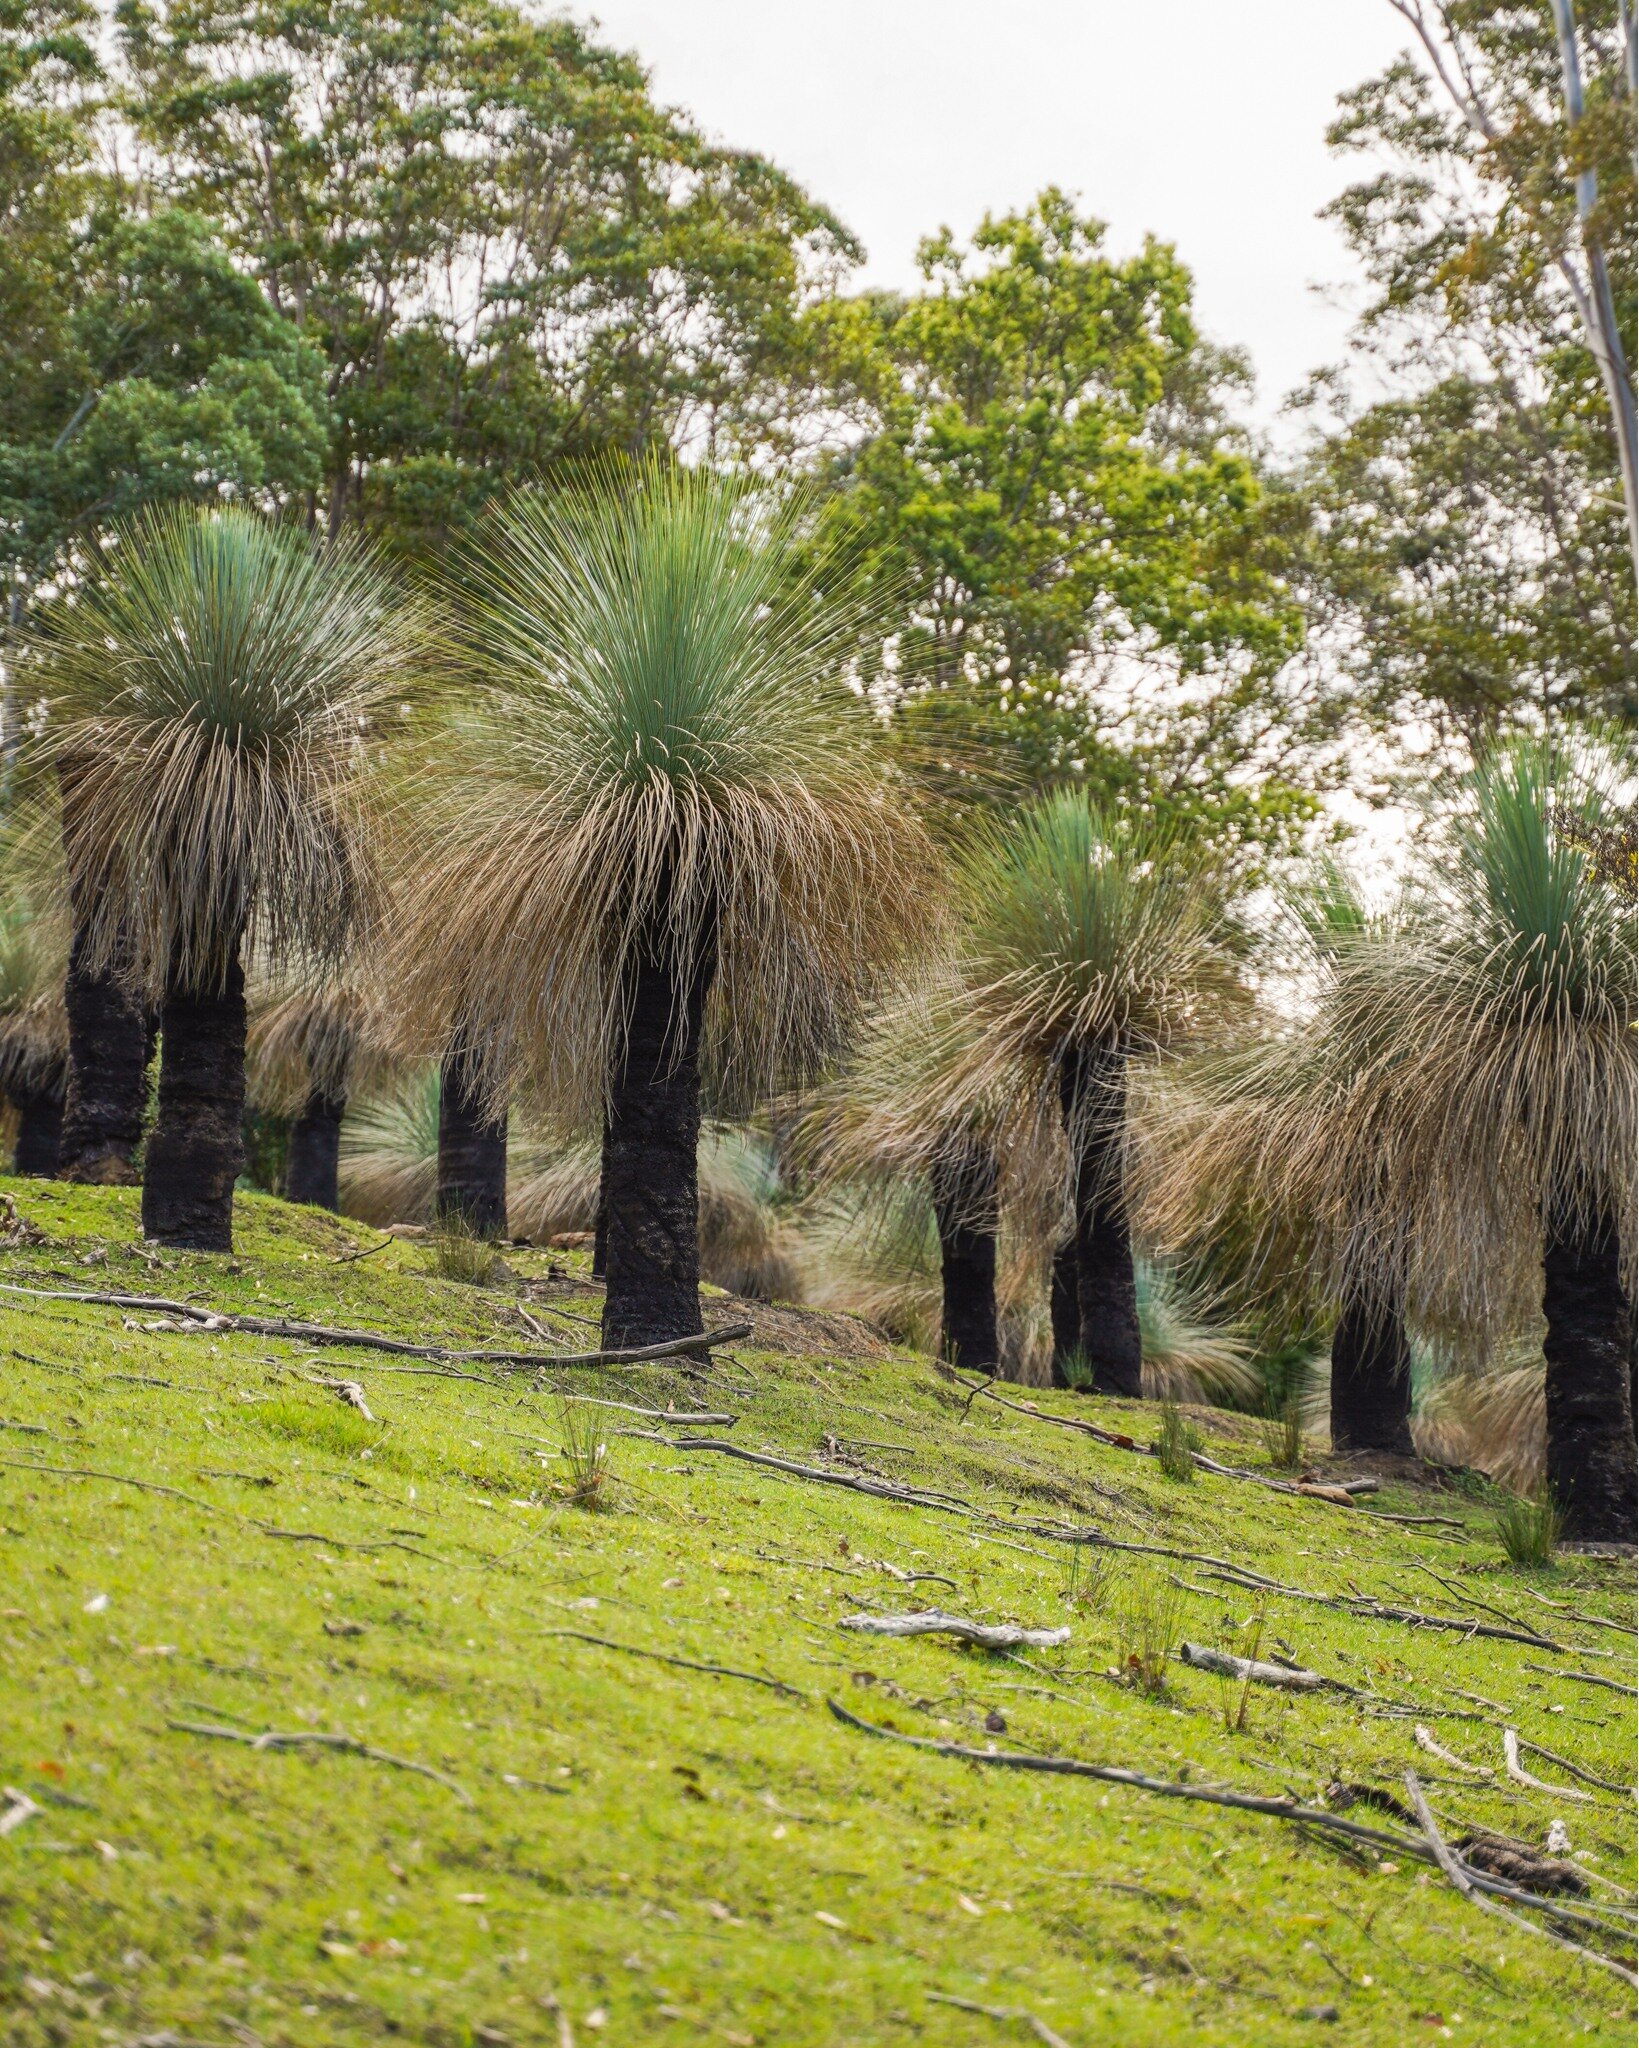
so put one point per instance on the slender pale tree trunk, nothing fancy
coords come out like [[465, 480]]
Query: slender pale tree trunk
[[39, 1128], [651, 1179], [966, 1210], [1589, 1348], [1371, 1376], [1093, 1092], [196, 1147], [472, 1146], [111, 1029], [1064, 1310]]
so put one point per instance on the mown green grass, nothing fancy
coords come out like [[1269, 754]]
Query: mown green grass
[[650, 1849]]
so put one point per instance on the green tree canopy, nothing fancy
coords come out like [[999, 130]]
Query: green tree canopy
[[1468, 547], [1046, 464], [508, 253]]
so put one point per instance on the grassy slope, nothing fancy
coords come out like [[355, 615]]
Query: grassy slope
[[653, 1845]]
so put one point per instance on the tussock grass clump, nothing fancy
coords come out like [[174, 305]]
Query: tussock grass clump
[[1147, 1612], [1176, 1443], [459, 1253], [585, 1452], [1529, 1529]]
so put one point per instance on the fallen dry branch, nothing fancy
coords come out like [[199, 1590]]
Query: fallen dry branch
[[228, 1320], [1273, 1808], [1426, 1741], [1519, 1775], [881, 1489], [579, 1635], [1379, 1610], [1202, 1657], [19, 1808], [1006, 1635], [118, 1479], [671, 1415], [303, 1739], [1464, 1881], [1042, 2031], [1584, 1677], [1577, 1770]]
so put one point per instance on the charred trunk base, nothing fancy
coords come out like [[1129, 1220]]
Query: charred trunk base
[[1589, 1349], [965, 1208], [313, 1158], [110, 1048], [196, 1147], [1064, 1312], [1093, 1091], [472, 1151], [39, 1131], [1371, 1380], [651, 1176], [600, 1219]]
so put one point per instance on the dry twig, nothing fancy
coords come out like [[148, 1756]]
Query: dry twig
[[303, 1739], [1005, 1635]]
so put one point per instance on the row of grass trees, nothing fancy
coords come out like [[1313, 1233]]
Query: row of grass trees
[[603, 816]]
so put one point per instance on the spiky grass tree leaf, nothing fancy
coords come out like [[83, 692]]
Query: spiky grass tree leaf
[[654, 724], [213, 696]]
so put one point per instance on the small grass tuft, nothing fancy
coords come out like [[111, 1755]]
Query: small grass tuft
[[1528, 1529], [1284, 1443], [1077, 1369], [459, 1253], [585, 1451], [1176, 1443], [1147, 1611]]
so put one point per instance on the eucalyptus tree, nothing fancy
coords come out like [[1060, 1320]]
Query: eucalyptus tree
[[658, 829], [1096, 939], [218, 685]]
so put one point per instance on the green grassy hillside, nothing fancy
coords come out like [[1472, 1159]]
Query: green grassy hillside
[[603, 1847]]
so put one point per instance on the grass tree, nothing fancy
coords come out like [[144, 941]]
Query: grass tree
[[217, 686], [657, 831], [1271, 1154], [310, 1050], [1096, 939], [33, 1030], [1506, 1019], [900, 1112]]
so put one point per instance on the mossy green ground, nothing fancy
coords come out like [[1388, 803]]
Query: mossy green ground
[[654, 1854]]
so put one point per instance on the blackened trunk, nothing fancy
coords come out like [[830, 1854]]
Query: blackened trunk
[[196, 1148], [600, 1219], [110, 1045], [1064, 1310], [314, 1152], [651, 1186], [965, 1208], [1589, 1348], [111, 1028], [39, 1130], [471, 1148], [1371, 1377], [1093, 1092]]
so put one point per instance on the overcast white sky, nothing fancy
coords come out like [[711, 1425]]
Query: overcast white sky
[[1202, 121]]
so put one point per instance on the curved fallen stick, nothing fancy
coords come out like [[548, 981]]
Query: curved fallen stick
[[1425, 1740], [302, 1739], [1521, 1776], [1005, 1635]]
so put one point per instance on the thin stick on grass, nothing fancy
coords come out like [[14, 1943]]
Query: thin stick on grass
[[580, 1635], [229, 1321], [273, 1739], [1039, 2027], [1576, 1770], [1586, 1678], [1425, 1740], [1464, 1883]]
